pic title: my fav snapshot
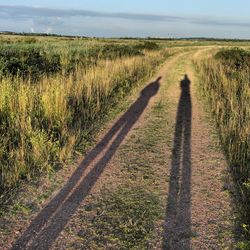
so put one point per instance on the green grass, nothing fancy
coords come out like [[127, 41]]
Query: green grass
[[123, 218]]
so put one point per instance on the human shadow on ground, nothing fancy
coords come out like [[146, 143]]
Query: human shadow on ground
[[177, 228], [47, 225]]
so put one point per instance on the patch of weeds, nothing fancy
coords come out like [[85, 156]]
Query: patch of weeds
[[243, 245], [4, 228], [48, 192], [21, 208], [159, 106], [121, 219]]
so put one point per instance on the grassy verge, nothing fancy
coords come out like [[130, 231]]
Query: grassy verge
[[226, 87]]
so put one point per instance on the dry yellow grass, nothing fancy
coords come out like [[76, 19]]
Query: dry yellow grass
[[228, 92], [42, 122]]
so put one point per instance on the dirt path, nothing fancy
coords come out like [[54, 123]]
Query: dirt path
[[197, 202], [162, 145]]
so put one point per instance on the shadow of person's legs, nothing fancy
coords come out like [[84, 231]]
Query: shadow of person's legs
[[177, 229]]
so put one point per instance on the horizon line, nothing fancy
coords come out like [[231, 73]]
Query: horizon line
[[5, 32]]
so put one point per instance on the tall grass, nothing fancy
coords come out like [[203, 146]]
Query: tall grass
[[226, 84], [41, 124]]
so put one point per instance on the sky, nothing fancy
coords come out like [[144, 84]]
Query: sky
[[129, 18]]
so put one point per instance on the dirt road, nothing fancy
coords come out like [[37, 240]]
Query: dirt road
[[163, 144]]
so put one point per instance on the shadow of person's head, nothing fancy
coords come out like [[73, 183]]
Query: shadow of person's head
[[151, 89], [185, 83]]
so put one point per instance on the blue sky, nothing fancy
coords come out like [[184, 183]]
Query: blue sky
[[140, 18]]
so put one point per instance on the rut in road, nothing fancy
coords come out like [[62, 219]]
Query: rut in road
[[197, 212]]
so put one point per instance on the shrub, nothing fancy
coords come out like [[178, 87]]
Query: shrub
[[147, 45], [235, 57]]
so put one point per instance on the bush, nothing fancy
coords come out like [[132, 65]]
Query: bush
[[32, 62], [236, 57], [147, 45]]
